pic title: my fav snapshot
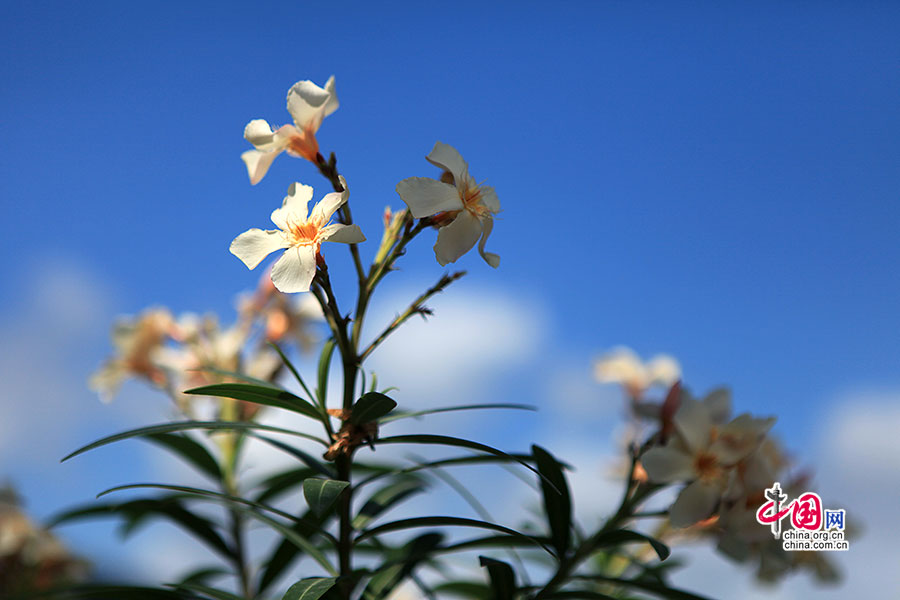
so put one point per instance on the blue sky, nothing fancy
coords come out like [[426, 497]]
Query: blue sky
[[716, 182]]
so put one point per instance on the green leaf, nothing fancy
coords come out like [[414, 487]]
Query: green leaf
[[291, 368], [257, 394], [209, 591], [187, 425], [324, 367], [371, 407], [281, 482], [464, 589], [239, 376], [192, 451], [320, 494], [653, 587], [309, 589], [445, 440], [444, 462], [443, 522], [503, 578], [246, 507], [400, 564], [202, 575], [134, 512], [384, 499], [306, 458], [113, 592], [580, 595], [557, 502], [234, 501], [494, 541], [286, 552], [419, 413], [624, 536]]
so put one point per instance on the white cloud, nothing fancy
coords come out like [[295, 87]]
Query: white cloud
[[472, 338]]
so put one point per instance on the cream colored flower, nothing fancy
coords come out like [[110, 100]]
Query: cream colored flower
[[299, 234], [138, 344], [463, 209], [624, 367], [703, 454], [309, 105]]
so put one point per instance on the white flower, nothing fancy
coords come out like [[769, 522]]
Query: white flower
[[299, 234], [704, 454], [309, 105], [624, 367], [138, 344], [466, 207]]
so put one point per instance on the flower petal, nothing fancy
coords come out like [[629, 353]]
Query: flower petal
[[326, 207], [740, 437], [718, 404], [663, 369], [347, 234], [489, 257], [258, 163], [695, 503], [295, 270], [457, 238], [307, 103], [446, 157], [294, 206], [665, 464], [259, 133], [255, 244], [489, 199], [425, 196], [332, 104], [693, 423]]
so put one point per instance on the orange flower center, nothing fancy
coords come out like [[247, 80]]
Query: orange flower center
[[306, 233], [706, 465], [303, 144], [471, 199]]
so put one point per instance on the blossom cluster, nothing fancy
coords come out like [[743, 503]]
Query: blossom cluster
[[32, 559], [462, 209], [173, 354], [724, 463]]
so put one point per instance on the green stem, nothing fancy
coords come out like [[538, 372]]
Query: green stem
[[415, 308]]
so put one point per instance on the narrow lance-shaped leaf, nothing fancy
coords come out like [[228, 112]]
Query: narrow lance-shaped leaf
[[400, 564], [623, 536], [320, 494], [191, 450], [207, 591], [503, 578], [557, 502], [306, 458], [291, 368], [659, 589], [324, 367], [116, 592], [445, 521], [371, 407], [285, 553], [257, 394], [134, 511], [445, 440], [187, 425], [420, 413], [309, 589], [254, 510], [384, 499]]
